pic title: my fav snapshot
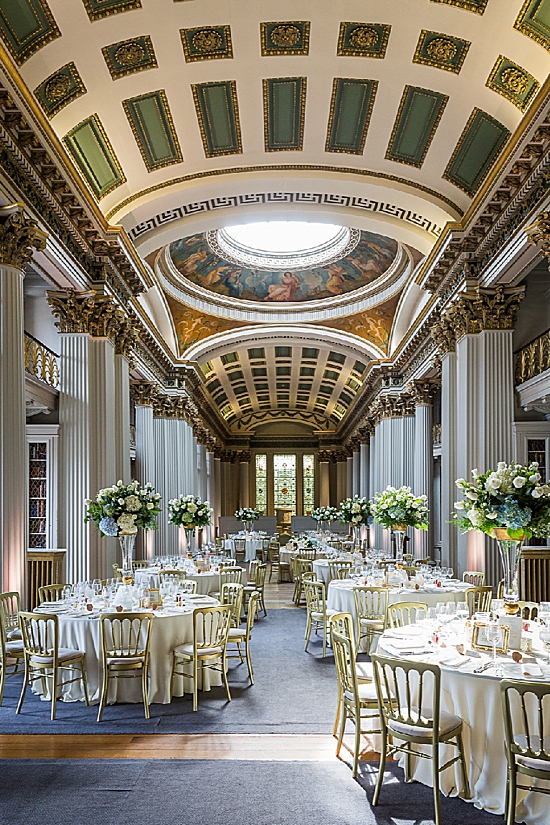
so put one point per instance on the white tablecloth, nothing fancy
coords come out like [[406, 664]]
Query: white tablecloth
[[476, 699], [168, 631], [253, 548], [206, 582]]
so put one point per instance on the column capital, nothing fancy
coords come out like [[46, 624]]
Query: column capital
[[422, 392], [19, 236], [444, 335], [485, 310], [143, 393], [170, 406], [391, 406], [95, 315], [325, 456], [245, 456], [539, 233]]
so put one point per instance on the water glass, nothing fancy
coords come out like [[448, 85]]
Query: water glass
[[462, 610]]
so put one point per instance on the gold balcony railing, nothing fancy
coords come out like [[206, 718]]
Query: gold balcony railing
[[41, 362], [533, 358]]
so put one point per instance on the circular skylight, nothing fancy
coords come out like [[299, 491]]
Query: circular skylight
[[283, 245]]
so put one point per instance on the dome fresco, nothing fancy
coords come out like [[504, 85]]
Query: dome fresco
[[195, 260]]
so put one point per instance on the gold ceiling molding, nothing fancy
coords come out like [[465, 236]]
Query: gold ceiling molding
[[19, 236], [282, 167]]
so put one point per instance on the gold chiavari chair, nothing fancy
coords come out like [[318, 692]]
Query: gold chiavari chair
[[500, 589], [228, 574], [211, 627], [240, 549], [45, 660], [358, 700], [371, 606], [301, 566], [117, 571], [265, 550], [51, 592], [241, 635], [188, 586], [252, 567], [11, 605], [401, 614], [526, 711], [318, 614], [528, 610], [339, 566], [140, 564], [11, 652], [274, 556], [257, 586], [125, 640], [409, 696], [232, 594], [343, 623], [474, 577], [479, 599]]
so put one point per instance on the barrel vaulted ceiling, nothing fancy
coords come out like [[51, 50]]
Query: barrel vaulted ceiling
[[185, 115]]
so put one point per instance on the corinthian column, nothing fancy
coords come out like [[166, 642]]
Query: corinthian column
[[19, 236], [142, 395], [423, 459]]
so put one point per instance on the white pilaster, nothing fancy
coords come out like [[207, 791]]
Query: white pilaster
[[356, 472], [423, 465], [364, 455], [122, 419], [349, 476], [145, 465], [324, 484], [449, 533], [244, 484]]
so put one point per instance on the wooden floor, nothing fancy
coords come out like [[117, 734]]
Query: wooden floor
[[260, 747]]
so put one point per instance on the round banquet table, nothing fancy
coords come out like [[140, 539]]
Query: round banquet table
[[206, 582], [340, 596], [170, 629], [475, 698], [253, 548]]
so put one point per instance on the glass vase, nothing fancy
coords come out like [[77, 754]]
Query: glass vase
[[356, 537], [190, 540], [127, 542], [399, 533], [510, 552]]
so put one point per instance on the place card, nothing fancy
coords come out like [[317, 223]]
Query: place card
[[480, 641]]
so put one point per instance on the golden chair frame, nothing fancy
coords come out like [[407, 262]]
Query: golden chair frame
[[125, 642]]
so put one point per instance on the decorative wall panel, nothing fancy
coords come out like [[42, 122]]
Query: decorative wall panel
[[98, 9], [477, 6], [26, 26], [350, 111], [476, 151], [206, 43], [363, 39], [151, 121], [513, 82], [130, 56], [280, 38], [442, 51], [534, 21]]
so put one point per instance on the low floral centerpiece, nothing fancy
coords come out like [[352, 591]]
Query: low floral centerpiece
[[247, 515], [397, 509], [120, 510], [356, 512], [189, 512], [510, 504], [324, 515]]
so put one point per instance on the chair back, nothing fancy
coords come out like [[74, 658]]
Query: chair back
[[252, 567], [500, 589], [40, 634], [474, 577], [342, 623], [528, 610], [178, 575], [315, 596], [408, 558], [479, 599], [302, 565], [337, 567], [404, 613], [371, 603], [117, 571], [307, 553], [240, 548], [232, 594], [252, 610], [188, 586], [230, 574], [273, 554], [344, 658], [526, 711], [211, 626], [126, 635], [51, 592], [139, 565], [10, 605], [408, 692], [261, 571]]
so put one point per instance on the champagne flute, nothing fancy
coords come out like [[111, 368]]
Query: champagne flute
[[493, 634]]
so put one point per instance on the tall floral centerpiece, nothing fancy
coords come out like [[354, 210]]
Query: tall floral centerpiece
[[356, 512], [510, 504], [324, 515], [119, 511], [397, 509], [247, 515], [189, 512]]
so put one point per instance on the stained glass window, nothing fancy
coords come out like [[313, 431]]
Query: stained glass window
[[284, 481], [309, 483], [261, 484]]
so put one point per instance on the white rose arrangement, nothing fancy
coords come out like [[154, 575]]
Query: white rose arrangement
[[325, 514], [247, 514], [189, 512], [123, 508], [355, 511], [400, 507]]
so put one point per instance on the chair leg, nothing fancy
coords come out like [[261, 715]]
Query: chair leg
[[249, 662], [464, 769], [2, 680], [342, 729], [104, 689], [357, 742], [511, 802], [437, 796], [224, 670], [324, 637], [84, 682], [338, 711], [145, 690], [54, 693], [196, 684], [382, 765], [308, 630], [25, 686]]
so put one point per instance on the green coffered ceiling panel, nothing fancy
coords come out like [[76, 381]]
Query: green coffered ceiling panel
[[218, 115], [130, 56], [513, 82], [350, 111], [534, 21], [151, 122], [59, 89], [210, 43], [363, 39], [94, 156], [418, 117], [442, 51], [290, 37], [477, 6], [476, 151], [284, 111], [26, 26], [97, 9]]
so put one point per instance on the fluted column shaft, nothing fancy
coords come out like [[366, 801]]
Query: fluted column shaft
[[449, 533], [324, 484], [364, 455], [122, 419], [341, 481], [217, 499], [12, 445], [349, 476], [356, 472], [423, 472], [145, 467], [211, 492]]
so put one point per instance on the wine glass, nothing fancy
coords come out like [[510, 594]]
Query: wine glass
[[493, 633], [96, 587], [420, 617], [462, 610], [544, 636]]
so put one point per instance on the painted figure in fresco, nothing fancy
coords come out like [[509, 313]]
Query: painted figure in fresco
[[214, 276], [189, 265], [284, 290], [336, 279]]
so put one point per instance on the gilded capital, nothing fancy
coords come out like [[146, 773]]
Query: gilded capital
[[444, 335], [391, 406], [539, 233], [245, 456], [143, 393], [325, 456], [19, 236], [422, 392], [488, 309], [170, 406]]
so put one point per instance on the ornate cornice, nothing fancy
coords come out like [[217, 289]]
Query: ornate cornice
[[19, 236], [539, 233]]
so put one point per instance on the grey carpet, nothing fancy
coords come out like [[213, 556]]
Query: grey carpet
[[176, 792], [294, 692]]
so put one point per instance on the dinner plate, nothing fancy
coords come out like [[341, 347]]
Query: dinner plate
[[408, 630], [527, 671]]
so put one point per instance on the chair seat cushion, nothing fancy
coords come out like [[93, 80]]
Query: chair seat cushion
[[447, 723], [367, 692], [364, 671], [237, 632], [64, 654], [14, 647], [124, 660], [187, 650], [534, 764], [534, 745], [371, 622], [14, 634]]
